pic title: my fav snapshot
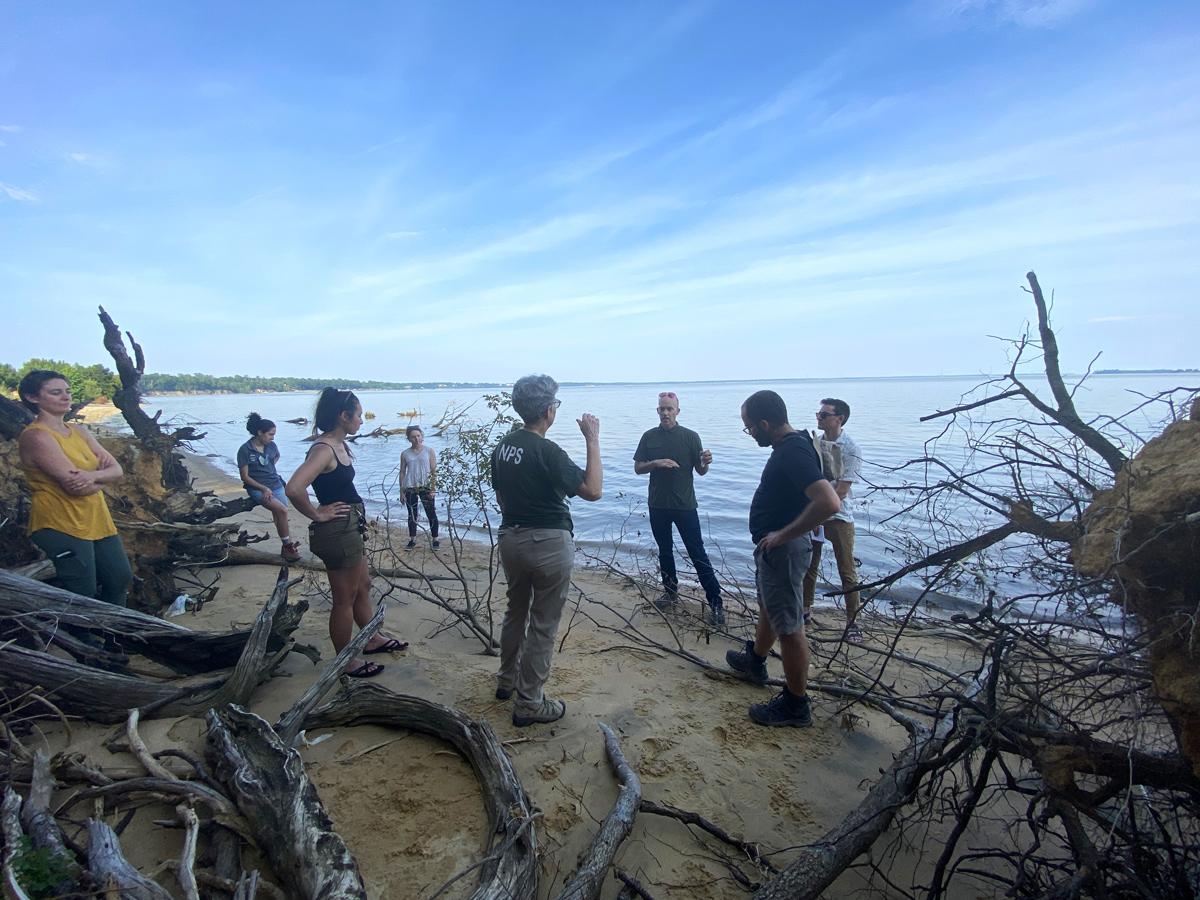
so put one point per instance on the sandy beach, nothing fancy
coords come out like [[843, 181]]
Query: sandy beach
[[409, 807]]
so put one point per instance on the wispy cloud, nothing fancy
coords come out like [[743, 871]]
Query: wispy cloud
[[1096, 320], [84, 159], [1023, 13], [10, 129], [21, 195]]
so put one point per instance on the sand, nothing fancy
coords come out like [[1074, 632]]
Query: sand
[[409, 808]]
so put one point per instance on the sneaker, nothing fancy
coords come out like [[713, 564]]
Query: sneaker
[[748, 664], [783, 709], [436, 543], [718, 614], [809, 622], [291, 551], [549, 711], [503, 693], [854, 634], [411, 545]]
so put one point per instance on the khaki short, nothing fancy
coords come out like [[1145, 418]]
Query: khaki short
[[340, 543]]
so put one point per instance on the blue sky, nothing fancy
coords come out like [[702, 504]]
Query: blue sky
[[605, 191]]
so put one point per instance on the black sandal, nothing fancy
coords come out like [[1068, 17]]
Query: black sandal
[[366, 670]]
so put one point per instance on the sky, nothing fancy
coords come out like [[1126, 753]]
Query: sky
[[617, 191]]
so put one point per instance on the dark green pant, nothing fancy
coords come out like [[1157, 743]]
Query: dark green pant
[[98, 569]]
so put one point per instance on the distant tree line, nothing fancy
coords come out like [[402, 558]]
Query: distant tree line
[[87, 382]]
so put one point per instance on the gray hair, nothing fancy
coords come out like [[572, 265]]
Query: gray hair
[[532, 396]]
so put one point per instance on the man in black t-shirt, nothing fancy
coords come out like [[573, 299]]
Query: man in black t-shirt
[[670, 453], [793, 498], [533, 478]]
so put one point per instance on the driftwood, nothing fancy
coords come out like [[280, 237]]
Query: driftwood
[[13, 418], [288, 726], [38, 821], [510, 867], [107, 697], [266, 780], [10, 823], [821, 862], [249, 556], [587, 880], [112, 872], [163, 641]]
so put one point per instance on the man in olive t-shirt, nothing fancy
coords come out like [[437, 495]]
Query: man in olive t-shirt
[[533, 478], [670, 453]]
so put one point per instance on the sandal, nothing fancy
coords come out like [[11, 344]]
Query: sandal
[[366, 670], [391, 645]]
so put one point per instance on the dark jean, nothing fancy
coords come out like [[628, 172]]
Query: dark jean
[[97, 569], [411, 496], [687, 522]]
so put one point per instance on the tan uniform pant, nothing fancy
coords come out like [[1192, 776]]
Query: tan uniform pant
[[841, 536], [537, 563]]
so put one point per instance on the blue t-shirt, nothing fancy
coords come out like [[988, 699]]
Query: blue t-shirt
[[780, 497], [260, 465]]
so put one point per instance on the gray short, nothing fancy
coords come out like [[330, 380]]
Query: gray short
[[779, 577]]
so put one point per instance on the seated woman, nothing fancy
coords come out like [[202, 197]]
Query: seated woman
[[256, 462], [339, 524], [69, 520]]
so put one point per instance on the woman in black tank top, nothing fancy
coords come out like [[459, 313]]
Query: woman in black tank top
[[339, 524]]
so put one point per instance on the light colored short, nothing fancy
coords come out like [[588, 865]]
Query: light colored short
[[257, 496], [779, 577]]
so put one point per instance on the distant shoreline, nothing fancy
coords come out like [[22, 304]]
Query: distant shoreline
[[468, 385]]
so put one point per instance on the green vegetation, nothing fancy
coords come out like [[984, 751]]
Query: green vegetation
[[40, 872], [198, 383], [87, 382], [91, 382]]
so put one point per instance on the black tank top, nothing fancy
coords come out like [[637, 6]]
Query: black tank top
[[336, 486]]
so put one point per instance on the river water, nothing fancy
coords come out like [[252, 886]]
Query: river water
[[885, 420]]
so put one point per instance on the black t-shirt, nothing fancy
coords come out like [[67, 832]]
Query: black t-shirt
[[671, 488], [532, 478], [780, 496]]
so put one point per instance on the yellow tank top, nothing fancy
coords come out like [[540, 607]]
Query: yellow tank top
[[86, 518]]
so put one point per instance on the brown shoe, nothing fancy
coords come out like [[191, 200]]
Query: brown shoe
[[549, 711]]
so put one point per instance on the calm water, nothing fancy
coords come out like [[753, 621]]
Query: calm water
[[884, 421]]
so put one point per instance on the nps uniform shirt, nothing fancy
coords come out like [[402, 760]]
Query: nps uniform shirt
[[533, 478], [260, 465], [780, 497], [671, 488]]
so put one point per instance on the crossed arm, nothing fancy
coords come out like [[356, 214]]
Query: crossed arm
[[40, 450]]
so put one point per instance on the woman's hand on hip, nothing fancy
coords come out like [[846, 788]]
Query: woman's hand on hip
[[338, 510]]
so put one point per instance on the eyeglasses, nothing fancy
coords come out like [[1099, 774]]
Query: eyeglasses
[[749, 429], [825, 415], [555, 404]]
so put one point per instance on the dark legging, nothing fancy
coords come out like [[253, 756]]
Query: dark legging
[[411, 497], [687, 521], [98, 569]]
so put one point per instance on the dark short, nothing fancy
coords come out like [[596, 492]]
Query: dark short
[[779, 577], [340, 543]]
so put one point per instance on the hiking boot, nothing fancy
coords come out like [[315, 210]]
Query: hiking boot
[[785, 708], [809, 622], [748, 664], [549, 711], [665, 601], [291, 551], [503, 693], [411, 545], [436, 543], [717, 614]]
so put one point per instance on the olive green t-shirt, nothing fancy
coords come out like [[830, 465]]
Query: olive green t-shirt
[[671, 488], [532, 478]]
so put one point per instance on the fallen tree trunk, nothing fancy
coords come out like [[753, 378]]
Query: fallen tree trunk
[[10, 824], [588, 878], [107, 697], [822, 861], [266, 780], [510, 865], [167, 643]]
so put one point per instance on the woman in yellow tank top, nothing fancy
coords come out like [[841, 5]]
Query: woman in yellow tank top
[[66, 468]]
